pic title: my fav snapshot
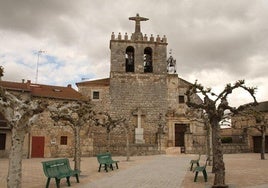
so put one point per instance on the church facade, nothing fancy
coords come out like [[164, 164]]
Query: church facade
[[144, 88]]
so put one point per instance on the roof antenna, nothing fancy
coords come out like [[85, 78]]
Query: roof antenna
[[37, 64]]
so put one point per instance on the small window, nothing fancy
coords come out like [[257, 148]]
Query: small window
[[96, 95], [2, 141], [181, 99], [63, 140]]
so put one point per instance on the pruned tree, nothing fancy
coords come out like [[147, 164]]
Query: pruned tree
[[124, 124], [160, 130], [253, 118], [104, 119], [215, 106], [76, 114], [202, 118], [20, 115]]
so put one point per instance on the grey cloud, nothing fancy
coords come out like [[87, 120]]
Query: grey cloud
[[204, 35]]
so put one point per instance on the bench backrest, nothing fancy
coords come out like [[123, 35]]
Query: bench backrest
[[52, 168], [104, 157]]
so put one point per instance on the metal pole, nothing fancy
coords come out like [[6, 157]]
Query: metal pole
[[37, 64]]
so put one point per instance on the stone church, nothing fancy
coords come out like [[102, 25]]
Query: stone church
[[144, 87]]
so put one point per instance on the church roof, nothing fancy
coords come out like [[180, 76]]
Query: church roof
[[262, 106], [98, 82], [106, 82], [40, 90]]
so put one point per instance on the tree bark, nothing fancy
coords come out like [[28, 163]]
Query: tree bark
[[214, 145], [209, 145], [108, 142], [77, 150], [127, 144], [15, 158], [263, 131], [219, 167]]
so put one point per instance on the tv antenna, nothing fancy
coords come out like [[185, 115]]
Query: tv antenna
[[37, 64]]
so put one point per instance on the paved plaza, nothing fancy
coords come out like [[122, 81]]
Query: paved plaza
[[158, 171]]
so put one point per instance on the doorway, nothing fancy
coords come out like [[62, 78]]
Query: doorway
[[180, 130], [257, 144], [38, 144]]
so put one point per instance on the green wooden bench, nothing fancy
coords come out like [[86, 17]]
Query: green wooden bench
[[201, 169], [195, 161], [58, 169], [105, 160]]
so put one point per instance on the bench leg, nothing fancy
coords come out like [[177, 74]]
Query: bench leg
[[48, 180], [57, 182], [105, 167], [111, 166], [191, 168], [99, 168], [77, 178], [195, 177], [116, 165], [205, 175], [68, 181]]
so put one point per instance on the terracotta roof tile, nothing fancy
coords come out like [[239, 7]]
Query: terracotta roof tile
[[16, 86], [48, 91]]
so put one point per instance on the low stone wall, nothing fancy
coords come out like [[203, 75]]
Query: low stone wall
[[235, 148], [135, 149]]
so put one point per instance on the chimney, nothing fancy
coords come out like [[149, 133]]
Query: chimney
[[69, 85]]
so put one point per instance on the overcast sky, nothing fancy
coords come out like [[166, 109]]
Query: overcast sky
[[214, 41]]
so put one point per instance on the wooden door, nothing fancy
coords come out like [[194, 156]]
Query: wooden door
[[38, 144], [180, 130], [257, 144]]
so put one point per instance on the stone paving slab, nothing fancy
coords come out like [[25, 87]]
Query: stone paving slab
[[242, 171], [162, 171]]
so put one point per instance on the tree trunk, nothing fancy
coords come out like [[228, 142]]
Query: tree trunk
[[108, 142], [127, 144], [209, 145], [15, 158], [214, 146], [219, 167], [77, 149], [263, 131]]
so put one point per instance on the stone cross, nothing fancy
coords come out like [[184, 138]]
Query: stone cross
[[138, 19], [139, 130], [138, 113]]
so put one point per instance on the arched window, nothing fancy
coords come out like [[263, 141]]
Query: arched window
[[148, 62], [130, 59]]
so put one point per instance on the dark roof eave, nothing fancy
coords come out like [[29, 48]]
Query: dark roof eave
[[61, 98]]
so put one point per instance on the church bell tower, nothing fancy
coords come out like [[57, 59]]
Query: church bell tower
[[138, 77]]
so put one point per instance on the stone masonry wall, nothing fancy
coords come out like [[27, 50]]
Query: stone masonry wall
[[142, 91]]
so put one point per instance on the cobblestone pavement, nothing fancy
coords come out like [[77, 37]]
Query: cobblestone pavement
[[162, 171], [158, 171]]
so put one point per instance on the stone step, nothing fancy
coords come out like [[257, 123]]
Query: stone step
[[173, 150]]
